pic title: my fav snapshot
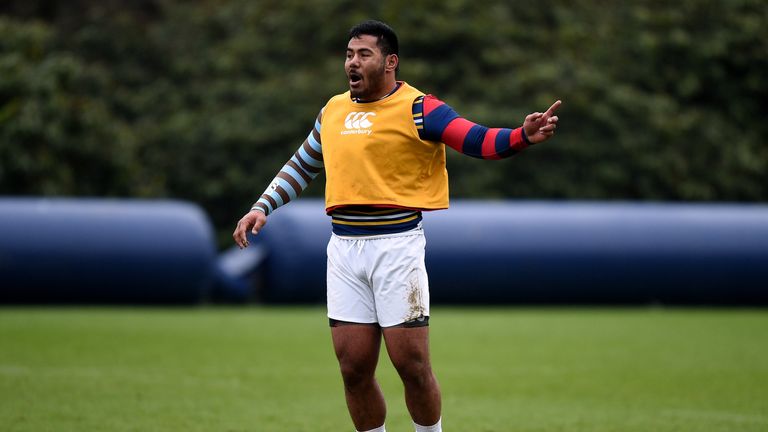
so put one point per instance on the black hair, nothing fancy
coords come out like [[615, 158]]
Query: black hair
[[386, 37]]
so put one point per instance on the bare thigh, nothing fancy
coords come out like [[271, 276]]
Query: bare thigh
[[408, 346], [357, 347]]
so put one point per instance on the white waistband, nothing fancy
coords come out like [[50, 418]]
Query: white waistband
[[418, 230]]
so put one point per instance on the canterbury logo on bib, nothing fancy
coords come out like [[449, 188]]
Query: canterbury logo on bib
[[358, 123]]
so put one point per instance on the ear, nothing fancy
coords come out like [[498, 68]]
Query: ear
[[391, 62]]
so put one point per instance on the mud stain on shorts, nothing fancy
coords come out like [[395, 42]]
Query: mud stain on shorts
[[415, 304]]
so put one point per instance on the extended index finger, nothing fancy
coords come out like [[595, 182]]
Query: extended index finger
[[553, 108]]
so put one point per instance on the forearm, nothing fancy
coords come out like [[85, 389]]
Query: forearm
[[295, 175], [441, 123], [481, 142]]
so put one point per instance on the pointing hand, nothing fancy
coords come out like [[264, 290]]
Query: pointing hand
[[541, 126]]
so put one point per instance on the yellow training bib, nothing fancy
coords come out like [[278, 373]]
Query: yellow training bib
[[373, 155]]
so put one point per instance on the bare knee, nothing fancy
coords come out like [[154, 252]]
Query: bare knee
[[357, 349], [356, 374], [408, 349], [415, 372]]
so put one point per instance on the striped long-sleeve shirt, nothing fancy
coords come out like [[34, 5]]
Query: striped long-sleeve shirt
[[435, 121], [296, 174]]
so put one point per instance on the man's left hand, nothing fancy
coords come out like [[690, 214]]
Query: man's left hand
[[540, 126]]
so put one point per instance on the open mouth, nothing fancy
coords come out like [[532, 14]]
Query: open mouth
[[355, 78]]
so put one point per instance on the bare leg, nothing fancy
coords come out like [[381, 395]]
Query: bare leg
[[357, 348], [408, 349]]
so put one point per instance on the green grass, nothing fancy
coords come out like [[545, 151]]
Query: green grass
[[273, 369]]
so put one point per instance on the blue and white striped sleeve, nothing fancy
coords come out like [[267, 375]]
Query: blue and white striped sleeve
[[296, 174]]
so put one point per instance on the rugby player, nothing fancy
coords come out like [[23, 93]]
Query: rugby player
[[382, 146]]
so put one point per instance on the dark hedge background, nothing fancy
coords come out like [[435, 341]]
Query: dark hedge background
[[205, 100]]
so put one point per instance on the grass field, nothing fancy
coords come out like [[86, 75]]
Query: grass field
[[272, 369]]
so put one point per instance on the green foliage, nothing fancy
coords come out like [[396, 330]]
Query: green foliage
[[205, 100], [57, 135]]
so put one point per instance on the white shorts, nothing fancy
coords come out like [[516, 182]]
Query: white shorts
[[378, 279]]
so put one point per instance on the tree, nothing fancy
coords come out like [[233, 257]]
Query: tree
[[205, 100]]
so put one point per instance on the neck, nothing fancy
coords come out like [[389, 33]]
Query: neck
[[385, 91]]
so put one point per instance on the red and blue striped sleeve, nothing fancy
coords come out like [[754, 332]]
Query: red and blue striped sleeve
[[437, 121]]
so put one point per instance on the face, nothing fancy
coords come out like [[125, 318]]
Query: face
[[367, 68]]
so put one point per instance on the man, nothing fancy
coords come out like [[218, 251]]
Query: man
[[381, 146]]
